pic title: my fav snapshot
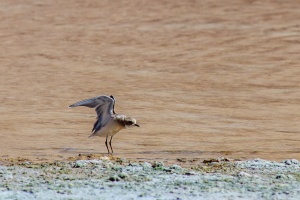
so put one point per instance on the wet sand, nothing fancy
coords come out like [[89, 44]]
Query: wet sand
[[203, 79]]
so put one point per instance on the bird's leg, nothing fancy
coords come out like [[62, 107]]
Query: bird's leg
[[106, 144], [110, 145]]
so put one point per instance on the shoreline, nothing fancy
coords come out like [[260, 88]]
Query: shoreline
[[121, 178]]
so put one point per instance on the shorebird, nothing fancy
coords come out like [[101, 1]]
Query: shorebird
[[108, 122]]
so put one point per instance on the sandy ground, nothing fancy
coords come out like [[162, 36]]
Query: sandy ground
[[203, 78]]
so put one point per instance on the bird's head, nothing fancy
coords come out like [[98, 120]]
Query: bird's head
[[129, 122]]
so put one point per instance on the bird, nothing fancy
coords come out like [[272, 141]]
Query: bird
[[108, 122]]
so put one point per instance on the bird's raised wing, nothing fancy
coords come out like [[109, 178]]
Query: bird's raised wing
[[95, 102], [104, 106]]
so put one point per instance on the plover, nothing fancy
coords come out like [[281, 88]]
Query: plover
[[108, 122]]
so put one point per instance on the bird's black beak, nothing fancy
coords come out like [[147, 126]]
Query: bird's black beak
[[137, 125]]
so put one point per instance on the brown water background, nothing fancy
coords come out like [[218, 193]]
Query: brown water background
[[203, 78]]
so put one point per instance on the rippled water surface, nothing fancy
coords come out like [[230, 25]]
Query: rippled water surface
[[205, 79]]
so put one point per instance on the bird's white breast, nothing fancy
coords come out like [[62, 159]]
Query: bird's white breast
[[110, 129]]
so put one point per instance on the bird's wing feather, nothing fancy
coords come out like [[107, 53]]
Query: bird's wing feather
[[104, 115], [104, 107], [94, 102]]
